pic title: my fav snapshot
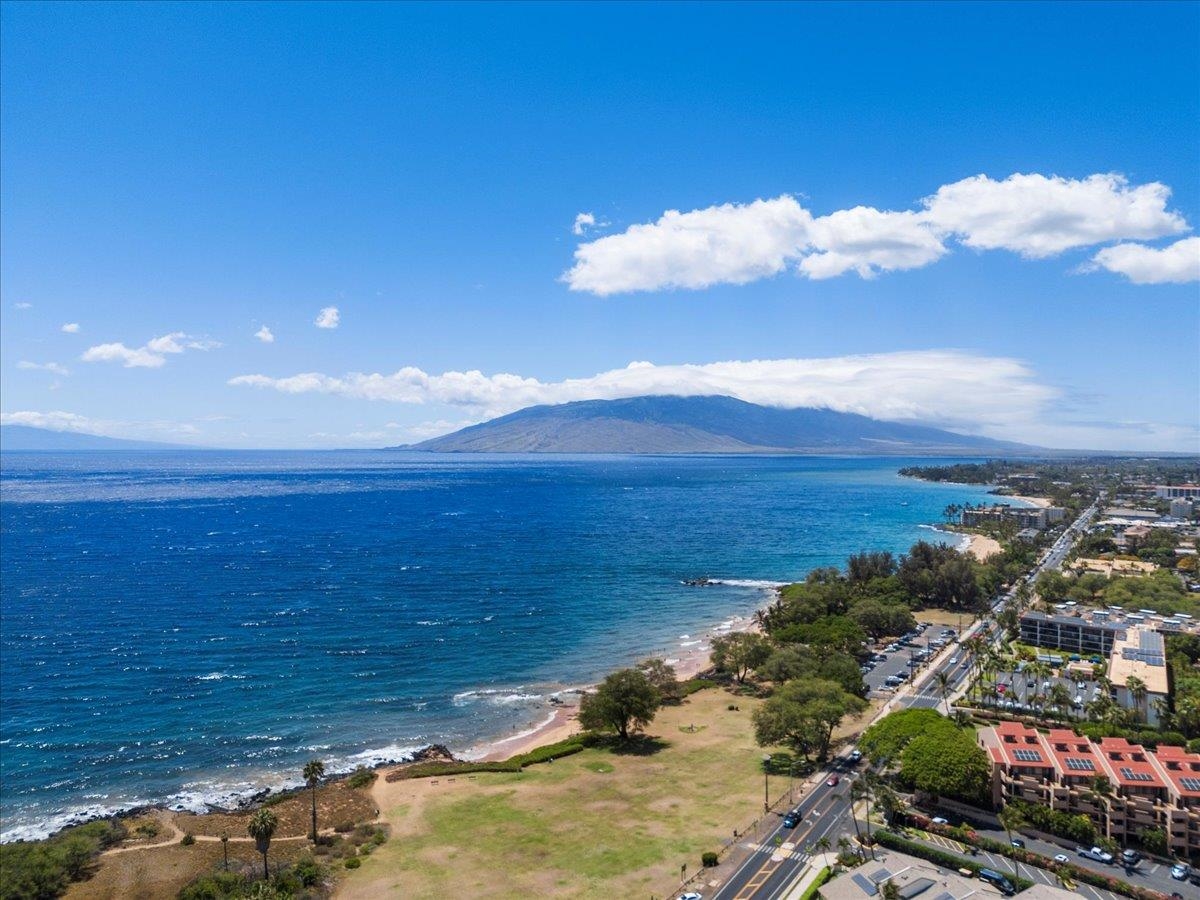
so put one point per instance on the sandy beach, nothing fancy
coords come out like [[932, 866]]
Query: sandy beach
[[562, 722], [1040, 502], [981, 546]]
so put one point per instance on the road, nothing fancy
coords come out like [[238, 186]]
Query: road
[[777, 858]]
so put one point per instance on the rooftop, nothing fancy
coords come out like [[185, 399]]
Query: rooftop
[[1180, 768], [1130, 764], [914, 877], [1139, 652]]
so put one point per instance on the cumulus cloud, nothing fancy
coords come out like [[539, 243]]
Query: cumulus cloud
[[1033, 215], [586, 222], [730, 244], [1174, 264], [947, 387], [71, 328], [151, 355], [264, 334], [328, 317], [52, 367]]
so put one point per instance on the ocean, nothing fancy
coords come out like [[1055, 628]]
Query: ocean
[[190, 627]]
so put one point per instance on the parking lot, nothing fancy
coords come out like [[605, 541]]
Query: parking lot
[[896, 660], [1015, 690]]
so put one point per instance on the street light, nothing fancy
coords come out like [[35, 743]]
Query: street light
[[766, 785]]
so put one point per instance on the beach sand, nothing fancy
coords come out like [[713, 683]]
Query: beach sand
[[1041, 502], [981, 546]]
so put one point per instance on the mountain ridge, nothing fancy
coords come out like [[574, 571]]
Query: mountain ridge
[[23, 438], [702, 424]]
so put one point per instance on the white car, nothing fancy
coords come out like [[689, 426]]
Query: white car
[[938, 820], [953, 660], [1061, 858], [1180, 871], [690, 895]]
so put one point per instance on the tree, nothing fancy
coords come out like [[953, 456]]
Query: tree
[[943, 683], [881, 619], [1101, 791], [1012, 820], [740, 652], [886, 739], [860, 790], [625, 701], [946, 765], [1052, 586], [314, 771], [1137, 690], [262, 827], [863, 567], [662, 676], [802, 715]]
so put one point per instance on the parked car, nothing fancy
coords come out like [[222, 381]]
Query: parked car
[[691, 895], [1180, 871], [855, 755], [1017, 842], [1131, 857], [938, 820], [1095, 853], [1061, 858]]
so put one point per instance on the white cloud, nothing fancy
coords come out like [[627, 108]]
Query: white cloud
[[1176, 263], [1037, 216], [1033, 215], [51, 367], [869, 241], [947, 387], [151, 355], [57, 420], [264, 334], [583, 221], [71, 328], [729, 244], [22, 305], [328, 317]]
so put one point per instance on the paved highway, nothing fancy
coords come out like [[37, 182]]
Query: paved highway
[[778, 858]]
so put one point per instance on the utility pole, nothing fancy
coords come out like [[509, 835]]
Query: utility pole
[[766, 784]]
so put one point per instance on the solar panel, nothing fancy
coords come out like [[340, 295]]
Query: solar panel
[[1128, 773], [1077, 764], [864, 883], [1027, 755], [1190, 784], [880, 875]]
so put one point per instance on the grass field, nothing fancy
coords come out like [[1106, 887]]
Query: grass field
[[596, 824]]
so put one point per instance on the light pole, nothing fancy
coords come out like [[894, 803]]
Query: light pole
[[766, 784], [225, 848]]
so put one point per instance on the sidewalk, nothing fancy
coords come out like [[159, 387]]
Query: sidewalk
[[816, 865]]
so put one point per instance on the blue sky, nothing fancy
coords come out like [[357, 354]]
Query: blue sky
[[176, 177]]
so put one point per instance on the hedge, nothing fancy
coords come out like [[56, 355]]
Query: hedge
[[1028, 857], [811, 890], [513, 764], [940, 857]]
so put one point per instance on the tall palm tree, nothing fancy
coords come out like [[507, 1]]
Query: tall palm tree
[[1012, 820], [1060, 697], [844, 844], [943, 683], [262, 827], [823, 844], [853, 817], [314, 771], [1162, 706], [1101, 791], [1137, 690], [861, 790]]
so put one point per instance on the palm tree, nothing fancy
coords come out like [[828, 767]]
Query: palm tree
[[1101, 791], [943, 684], [1012, 820], [314, 771], [262, 827], [861, 790], [1060, 697], [1162, 706], [844, 844], [823, 844], [1137, 690]]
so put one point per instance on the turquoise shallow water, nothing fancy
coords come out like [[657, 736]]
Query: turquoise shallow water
[[189, 627]]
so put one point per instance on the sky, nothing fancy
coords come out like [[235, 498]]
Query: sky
[[322, 225]]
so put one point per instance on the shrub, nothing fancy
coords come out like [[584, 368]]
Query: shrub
[[514, 764], [352, 863], [692, 685], [147, 829], [308, 870], [366, 849], [344, 827], [45, 868], [811, 890], [215, 886], [188, 839], [708, 859], [361, 778], [379, 837]]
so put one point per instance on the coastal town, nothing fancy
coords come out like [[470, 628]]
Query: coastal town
[[1021, 717]]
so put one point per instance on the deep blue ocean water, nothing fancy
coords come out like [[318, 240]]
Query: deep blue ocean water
[[191, 626]]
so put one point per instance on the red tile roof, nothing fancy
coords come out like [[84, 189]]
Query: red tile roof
[[1176, 764], [1130, 764]]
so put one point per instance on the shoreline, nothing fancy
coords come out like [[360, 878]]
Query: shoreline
[[689, 660]]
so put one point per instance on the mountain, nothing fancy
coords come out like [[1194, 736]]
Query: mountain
[[702, 425], [26, 437]]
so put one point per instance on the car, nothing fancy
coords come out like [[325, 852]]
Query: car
[[1095, 853], [1131, 857], [953, 660], [1061, 858], [691, 895], [1017, 842], [792, 819], [833, 781], [1078, 701], [938, 820], [855, 755], [1180, 871]]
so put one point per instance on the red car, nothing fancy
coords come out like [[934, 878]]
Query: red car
[[833, 781]]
